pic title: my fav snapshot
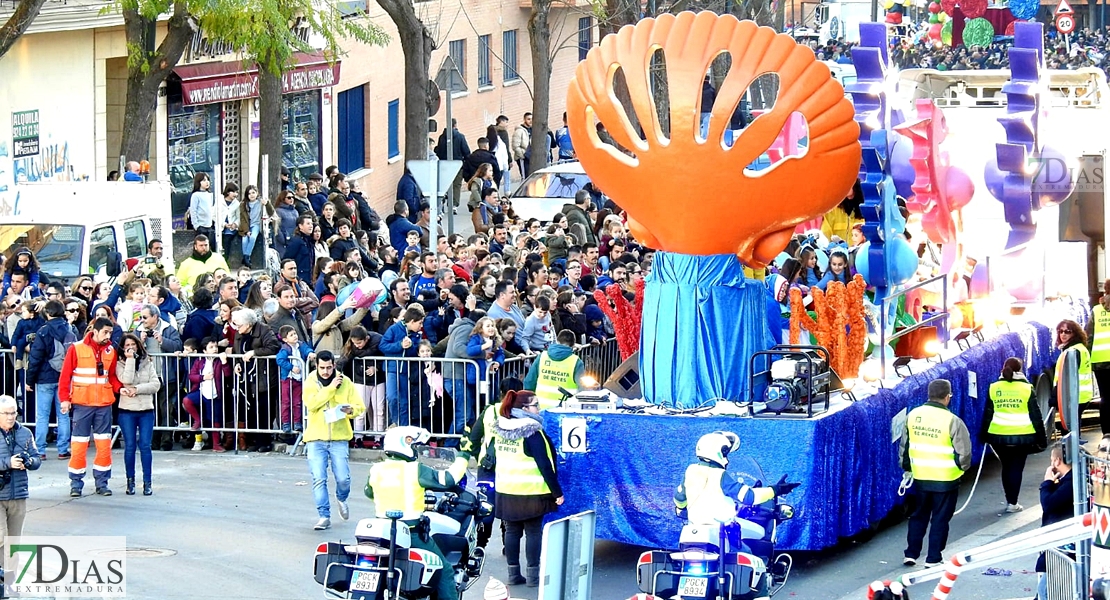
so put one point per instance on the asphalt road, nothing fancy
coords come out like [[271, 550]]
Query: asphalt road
[[240, 526]]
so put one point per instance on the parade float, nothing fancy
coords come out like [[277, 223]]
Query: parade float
[[698, 200]]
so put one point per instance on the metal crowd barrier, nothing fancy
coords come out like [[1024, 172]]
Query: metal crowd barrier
[[253, 403], [1063, 576]]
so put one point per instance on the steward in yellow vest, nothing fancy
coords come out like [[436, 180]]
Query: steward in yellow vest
[[1069, 336], [554, 368], [526, 483], [936, 448], [398, 483], [1013, 426], [1100, 351]]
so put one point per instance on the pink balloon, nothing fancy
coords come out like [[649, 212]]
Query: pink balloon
[[959, 187], [934, 31]]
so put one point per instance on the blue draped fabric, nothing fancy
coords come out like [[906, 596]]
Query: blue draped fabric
[[846, 462], [708, 321]]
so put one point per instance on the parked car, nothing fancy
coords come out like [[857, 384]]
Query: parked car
[[545, 192]]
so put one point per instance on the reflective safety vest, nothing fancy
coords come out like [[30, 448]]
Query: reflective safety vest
[[932, 456], [1086, 380], [489, 420], [1011, 408], [517, 473], [553, 375], [706, 502], [396, 485], [91, 386], [1100, 342]]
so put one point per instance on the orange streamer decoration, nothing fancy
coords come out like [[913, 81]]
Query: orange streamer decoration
[[840, 326], [754, 213]]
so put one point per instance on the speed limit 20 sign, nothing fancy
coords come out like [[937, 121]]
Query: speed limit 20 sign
[[1065, 23]]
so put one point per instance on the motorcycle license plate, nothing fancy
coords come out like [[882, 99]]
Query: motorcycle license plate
[[693, 587], [365, 581]]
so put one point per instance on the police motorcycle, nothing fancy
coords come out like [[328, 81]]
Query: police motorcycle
[[381, 564], [733, 559]]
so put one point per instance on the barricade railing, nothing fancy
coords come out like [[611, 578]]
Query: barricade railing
[[1063, 576], [249, 401]]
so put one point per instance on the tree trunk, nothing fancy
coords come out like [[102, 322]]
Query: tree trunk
[[539, 35], [144, 76], [417, 45], [20, 20], [270, 136]]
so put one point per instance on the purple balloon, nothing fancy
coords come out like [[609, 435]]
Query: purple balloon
[[1054, 180], [900, 168], [993, 176]]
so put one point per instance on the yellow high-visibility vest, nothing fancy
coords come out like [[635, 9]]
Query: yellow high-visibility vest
[[932, 455], [1011, 408], [1100, 342], [553, 375], [396, 485], [1086, 379], [517, 473]]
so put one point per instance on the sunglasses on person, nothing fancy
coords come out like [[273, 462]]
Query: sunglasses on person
[[85, 288], [1063, 331], [73, 310]]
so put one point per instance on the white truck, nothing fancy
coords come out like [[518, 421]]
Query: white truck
[[72, 228]]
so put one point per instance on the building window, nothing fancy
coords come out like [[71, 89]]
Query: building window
[[352, 129], [457, 49], [484, 76], [394, 114], [508, 41], [585, 36]]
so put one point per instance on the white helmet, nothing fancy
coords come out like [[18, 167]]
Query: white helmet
[[400, 441], [715, 447]]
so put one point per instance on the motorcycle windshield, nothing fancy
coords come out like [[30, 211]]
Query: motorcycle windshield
[[747, 469], [437, 458]]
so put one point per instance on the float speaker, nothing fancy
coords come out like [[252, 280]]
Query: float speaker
[[625, 381]]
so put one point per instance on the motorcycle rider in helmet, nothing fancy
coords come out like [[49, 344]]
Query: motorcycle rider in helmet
[[708, 493], [398, 483]]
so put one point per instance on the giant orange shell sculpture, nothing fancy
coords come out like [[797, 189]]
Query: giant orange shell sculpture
[[671, 185]]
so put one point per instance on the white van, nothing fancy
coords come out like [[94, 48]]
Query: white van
[[72, 228]]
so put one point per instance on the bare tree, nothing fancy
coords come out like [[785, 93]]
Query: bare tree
[[18, 23], [148, 67], [417, 44]]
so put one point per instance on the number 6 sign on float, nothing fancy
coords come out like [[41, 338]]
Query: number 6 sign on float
[[574, 434]]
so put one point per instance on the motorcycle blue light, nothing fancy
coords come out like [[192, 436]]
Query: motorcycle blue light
[[367, 562], [695, 568]]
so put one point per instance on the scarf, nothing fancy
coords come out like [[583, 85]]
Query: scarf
[[520, 413], [325, 382], [201, 257]]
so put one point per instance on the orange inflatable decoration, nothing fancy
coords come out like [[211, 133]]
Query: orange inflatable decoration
[[670, 183]]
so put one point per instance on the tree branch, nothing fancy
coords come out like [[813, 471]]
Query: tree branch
[[18, 23]]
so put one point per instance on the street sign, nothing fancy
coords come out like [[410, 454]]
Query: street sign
[[1063, 8], [449, 79], [1065, 23]]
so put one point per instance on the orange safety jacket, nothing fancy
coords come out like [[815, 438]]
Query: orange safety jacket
[[82, 381]]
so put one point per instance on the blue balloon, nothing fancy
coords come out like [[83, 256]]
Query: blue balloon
[[1024, 9], [900, 258]]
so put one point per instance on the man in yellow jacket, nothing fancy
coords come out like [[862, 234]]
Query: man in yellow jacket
[[332, 404]]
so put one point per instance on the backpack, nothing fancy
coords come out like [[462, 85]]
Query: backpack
[[60, 347]]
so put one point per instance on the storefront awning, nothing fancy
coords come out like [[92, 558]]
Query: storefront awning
[[208, 83]]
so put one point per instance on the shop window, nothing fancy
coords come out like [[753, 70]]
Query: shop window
[[352, 129], [485, 79], [508, 52], [457, 49], [301, 134], [193, 141], [134, 238], [394, 114], [585, 36], [101, 243]]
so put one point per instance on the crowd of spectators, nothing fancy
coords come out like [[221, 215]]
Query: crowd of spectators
[[1085, 48], [233, 346]]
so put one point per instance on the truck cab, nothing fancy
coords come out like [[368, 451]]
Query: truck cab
[[73, 228]]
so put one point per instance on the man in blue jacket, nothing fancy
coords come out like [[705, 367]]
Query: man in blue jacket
[[409, 191], [300, 247], [18, 453], [400, 340], [399, 226], [44, 368]]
